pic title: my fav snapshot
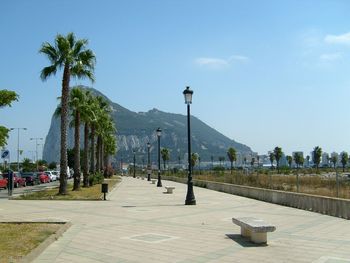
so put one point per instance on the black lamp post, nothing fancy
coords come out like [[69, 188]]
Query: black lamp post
[[159, 133], [134, 163], [190, 199], [148, 163]]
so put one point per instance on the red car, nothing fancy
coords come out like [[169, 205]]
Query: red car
[[17, 180], [3, 182], [43, 178]]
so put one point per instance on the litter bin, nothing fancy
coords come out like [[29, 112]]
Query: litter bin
[[104, 190]]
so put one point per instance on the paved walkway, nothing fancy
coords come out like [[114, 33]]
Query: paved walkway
[[142, 224]]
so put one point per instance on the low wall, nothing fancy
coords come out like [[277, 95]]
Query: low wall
[[324, 205]]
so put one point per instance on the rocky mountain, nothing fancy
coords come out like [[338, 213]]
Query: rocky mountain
[[134, 130]]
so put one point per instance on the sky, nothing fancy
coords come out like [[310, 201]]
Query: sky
[[264, 73]]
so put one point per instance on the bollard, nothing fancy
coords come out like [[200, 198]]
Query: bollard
[[104, 190]]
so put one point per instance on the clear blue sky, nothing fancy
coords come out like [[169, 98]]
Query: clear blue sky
[[264, 73]]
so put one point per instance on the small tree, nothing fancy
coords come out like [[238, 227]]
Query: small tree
[[298, 159], [278, 154], [334, 160], [194, 159], [165, 155], [231, 154], [316, 156], [52, 165], [344, 158], [289, 160], [272, 158]]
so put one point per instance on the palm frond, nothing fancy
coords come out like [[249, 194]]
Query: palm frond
[[48, 71], [50, 51]]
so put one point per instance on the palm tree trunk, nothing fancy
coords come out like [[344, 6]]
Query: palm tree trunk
[[86, 155], [76, 185], [92, 162], [102, 156], [98, 160], [231, 167], [64, 122]]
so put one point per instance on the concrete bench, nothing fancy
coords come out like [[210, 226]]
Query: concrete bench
[[169, 189], [255, 229], [154, 181]]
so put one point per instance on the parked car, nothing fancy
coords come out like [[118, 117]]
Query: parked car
[[52, 175], [18, 180], [57, 173], [43, 177], [3, 182], [31, 178]]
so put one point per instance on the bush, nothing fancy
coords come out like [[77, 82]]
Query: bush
[[108, 172], [95, 179]]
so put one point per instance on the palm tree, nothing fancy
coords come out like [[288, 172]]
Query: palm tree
[[289, 160], [231, 154], [71, 55], [6, 99], [272, 158], [278, 154], [77, 104], [316, 156], [165, 156], [334, 160], [344, 158], [299, 160]]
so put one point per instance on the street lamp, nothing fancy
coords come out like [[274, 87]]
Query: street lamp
[[159, 133], [190, 199], [134, 162], [148, 162], [18, 144], [36, 149]]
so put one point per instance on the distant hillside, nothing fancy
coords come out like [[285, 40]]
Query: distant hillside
[[134, 130]]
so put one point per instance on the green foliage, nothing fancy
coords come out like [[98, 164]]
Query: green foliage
[[272, 158], [334, 160], [278, 154], [52, 165], [298, 159], [95, 179], [7, 97], [28, 166], [289, 160], [194, 159], [344, 158], [231, 154], [4, 134], [164, 152], [316, 156]]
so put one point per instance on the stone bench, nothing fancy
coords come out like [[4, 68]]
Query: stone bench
[[153, 181], [255, 229], [169, 189]]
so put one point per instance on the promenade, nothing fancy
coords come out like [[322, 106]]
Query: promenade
[[140, 223]]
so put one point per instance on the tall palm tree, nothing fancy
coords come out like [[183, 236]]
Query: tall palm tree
[[194, 159], [77, 104], [316, 156], [278, 155], [71, 55], [231, 154]]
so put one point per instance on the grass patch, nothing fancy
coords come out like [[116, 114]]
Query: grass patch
[[89, 193], [19, 239]]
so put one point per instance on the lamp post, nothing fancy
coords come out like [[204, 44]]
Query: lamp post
[[148, 162], [134, 162], [159, 133], [190, 199], [18, 144], [36, 149]]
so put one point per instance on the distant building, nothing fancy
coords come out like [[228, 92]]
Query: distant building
[[325, 160]]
